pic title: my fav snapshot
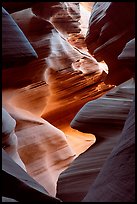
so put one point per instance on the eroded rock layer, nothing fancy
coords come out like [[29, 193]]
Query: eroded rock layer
[[44, 95], [55, 87]]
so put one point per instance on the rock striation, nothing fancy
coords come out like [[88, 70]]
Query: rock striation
[[68, 114], [105, 118]]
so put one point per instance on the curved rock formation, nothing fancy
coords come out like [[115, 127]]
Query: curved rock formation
[[117, 175], [45, 94], [107, 35], [21, 187], [9, 138], [112, 168], [105, 118], [25, 98], [13, 37]]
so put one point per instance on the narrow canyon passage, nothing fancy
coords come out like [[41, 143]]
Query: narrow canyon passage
[[45, 95]]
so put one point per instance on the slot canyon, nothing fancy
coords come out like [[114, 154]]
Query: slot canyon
[[68, 87]]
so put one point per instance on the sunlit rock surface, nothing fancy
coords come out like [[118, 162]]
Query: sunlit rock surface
[[109, 165], [21, 187], [105, 118], [45, 95], [54, 87]]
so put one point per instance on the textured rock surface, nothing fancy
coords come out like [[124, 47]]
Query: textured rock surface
[[29, 96], [104, 118], [55, 87], [128, 52], [104, 41], [117, 175], [107, 35], [16, 48], [5, 199], [127, 56], [21, 187], [9, 138]]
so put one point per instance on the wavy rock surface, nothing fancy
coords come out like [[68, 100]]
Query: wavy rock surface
[[44, 96], [29, 93], [104, 118], [107, 36]]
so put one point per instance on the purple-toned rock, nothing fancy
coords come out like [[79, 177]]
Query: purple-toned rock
[[104, 117], [111, 26], [16, 48], [9, 138], [118, 173]]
